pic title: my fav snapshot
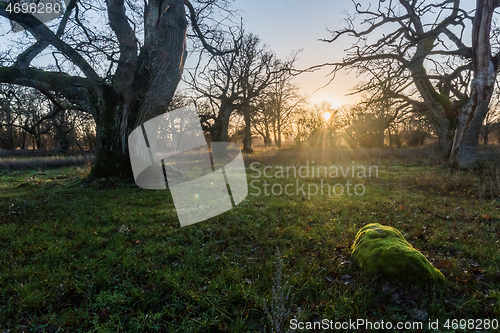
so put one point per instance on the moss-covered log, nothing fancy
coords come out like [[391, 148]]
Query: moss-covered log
[[382, 251]]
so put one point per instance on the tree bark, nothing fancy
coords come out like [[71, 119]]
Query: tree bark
[[247, 141], [267, 137], [278, 125], [221, 124], [472, 114], [143, 85], [441, 114], [110, 157]]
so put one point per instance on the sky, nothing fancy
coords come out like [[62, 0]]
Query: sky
[[290, 25], [287, 25]]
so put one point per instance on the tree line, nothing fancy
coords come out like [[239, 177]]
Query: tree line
[[28, 120]]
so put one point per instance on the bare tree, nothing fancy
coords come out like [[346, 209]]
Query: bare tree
[[24, 114], [283, 100], [423, 53], [311, 125], [307, 122], [232, 82], [218, 86], [123, 72], [8, 119], [257, 69], [368, 121]]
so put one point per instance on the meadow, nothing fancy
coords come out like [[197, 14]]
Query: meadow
[[107, 256]]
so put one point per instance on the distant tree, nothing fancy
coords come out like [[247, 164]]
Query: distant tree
[[8, 118], [262, 121], [282, 100], [217, 89], [231, 82], [367, 122], [491, 118], [72, 129], [311, 126], [415, 130], [364, 129], [308, 122], [487, 127], [87, 138], [24, 115], [255, 70]]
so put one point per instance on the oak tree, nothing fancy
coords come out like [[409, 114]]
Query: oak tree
[[123, 70], [422, 44]]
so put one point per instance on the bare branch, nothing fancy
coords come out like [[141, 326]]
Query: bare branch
[[24, 59], [42, 33], [128, 45], [194, 22]]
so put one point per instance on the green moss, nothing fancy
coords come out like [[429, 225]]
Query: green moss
[[382, 250]]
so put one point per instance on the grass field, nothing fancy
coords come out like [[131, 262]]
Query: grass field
[[110, 257]]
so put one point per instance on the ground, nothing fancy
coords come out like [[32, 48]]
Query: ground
[[110, 257]]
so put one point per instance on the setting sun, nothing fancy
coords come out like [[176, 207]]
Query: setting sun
[[326, 116]]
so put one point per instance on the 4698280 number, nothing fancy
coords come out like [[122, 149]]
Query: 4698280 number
[[34, 8], [471, 324]]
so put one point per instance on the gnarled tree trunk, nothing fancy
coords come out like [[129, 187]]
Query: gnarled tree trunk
[[472, 114], [144, 84]]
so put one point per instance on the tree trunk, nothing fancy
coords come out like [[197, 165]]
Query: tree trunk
[[10, 129], [23, 140], [380, 139], [142, 92], [247, 141], [472, 114], [442, 115], [222, 122], [275, 132], [110, 157], [445, 132], [464, 153], [39, 144], [278, 142], [485, 134], [267, 138]]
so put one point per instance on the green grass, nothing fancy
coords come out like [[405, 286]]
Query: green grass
[[110, 257]]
